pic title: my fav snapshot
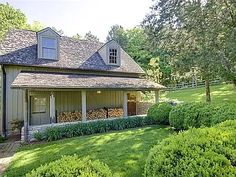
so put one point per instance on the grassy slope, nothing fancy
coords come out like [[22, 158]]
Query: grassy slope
[[219, 94], [124, 152]]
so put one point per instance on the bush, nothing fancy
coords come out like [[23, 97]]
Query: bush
[[72, 166], [88, 128], [196, 152], [159, 113], [196, 115]]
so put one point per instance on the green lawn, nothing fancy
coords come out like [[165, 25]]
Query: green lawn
[[219, 94], [124, 152]]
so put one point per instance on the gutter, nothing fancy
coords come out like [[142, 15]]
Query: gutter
[[4, 128]]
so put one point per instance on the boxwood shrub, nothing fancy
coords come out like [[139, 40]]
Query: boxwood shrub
[[159, 113], [72, 166], [101, 126], [196, 152], [196, 115]]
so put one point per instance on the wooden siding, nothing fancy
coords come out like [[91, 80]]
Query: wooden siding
[[1, 98], [65, 100]]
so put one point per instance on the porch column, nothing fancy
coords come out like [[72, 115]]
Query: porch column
[[83, 96], [52, 108], [25, 114], [125, 107], [157, 96]]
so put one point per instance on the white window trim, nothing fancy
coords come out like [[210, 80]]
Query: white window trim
[[49, 47], [117, 56]]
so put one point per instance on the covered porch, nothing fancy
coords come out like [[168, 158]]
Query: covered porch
[[49, 96]]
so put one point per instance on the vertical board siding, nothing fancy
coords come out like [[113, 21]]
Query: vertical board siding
[[1, 98]]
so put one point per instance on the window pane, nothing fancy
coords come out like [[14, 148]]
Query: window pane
[[49, 53], [39, 105], [113, 56], [49, 42]]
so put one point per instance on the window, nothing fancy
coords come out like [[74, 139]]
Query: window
[[49, 48], [39, 105], [113, 56]]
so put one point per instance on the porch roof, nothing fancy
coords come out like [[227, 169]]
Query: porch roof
[[36, 80]]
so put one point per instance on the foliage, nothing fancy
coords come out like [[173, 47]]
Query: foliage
[[196, 115], [197, 152], [77, 36], [118, 34], [90, 37], [159, 113], [10, 18], [88, 128], [72, 166], [16, 125], [35, 26], [2, 139], [129, 148], [154, 72], [197, 34]]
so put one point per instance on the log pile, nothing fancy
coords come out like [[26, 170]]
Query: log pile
[[116, 112], [91, 114], [69, 116]]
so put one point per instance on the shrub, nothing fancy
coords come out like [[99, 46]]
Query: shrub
[[196, 115], [79, 129], [196, 152], [72, 166], [159, 113]]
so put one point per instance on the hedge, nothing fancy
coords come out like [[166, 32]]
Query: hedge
[[88, 128], [72, 166], [159, 113], [196, 152], [188, 115]]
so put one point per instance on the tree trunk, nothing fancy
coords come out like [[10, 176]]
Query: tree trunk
[[208, 93], [234, 83]]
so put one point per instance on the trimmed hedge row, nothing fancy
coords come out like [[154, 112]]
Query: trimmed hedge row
[[196, 152], [88, 128], [188, 115], [159, 113], [72, 166]]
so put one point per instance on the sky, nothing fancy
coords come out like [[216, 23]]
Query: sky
[[82, 16]]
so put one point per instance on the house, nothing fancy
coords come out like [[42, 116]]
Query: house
[[44, 75]]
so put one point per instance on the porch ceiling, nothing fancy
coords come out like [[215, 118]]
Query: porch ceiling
[[76, 81]]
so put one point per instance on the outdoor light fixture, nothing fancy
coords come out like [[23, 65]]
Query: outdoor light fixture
[[98, 91]]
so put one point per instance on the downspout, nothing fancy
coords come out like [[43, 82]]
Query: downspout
[[4, 128]]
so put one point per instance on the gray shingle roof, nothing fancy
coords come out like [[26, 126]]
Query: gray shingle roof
[[72, 81], [20, 47]]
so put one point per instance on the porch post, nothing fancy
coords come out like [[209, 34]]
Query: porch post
[[157, 96], [125, 107], [52, 108], [83, 95], [25, 112]]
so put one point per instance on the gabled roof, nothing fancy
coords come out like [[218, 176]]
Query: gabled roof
[[76, 81], [20, 47]]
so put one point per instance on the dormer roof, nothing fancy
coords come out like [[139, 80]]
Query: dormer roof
[[20, 48]]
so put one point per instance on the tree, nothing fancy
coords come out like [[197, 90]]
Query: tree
[[60, 32], [10, 18], [35, 26], [118, 34], [154, 72], [188, 32], [77, 36], [90, 37]]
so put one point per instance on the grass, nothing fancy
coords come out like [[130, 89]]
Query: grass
[[124, 152], [219, 94]]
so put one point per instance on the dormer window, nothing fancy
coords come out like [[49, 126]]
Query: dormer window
[[113, 56], [49, 48], [48, 44]]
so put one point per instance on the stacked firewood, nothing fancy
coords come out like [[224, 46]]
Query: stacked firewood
[[96, 114], [116, 112], [91, 114], [69, 116]]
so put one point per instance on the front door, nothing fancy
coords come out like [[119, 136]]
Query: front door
[[131, 104], [39, 109]]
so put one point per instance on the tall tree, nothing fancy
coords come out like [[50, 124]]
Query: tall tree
[[35, 26], [77, 36], [118, 34], [188, 31], [10, 18], [90, 37]]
